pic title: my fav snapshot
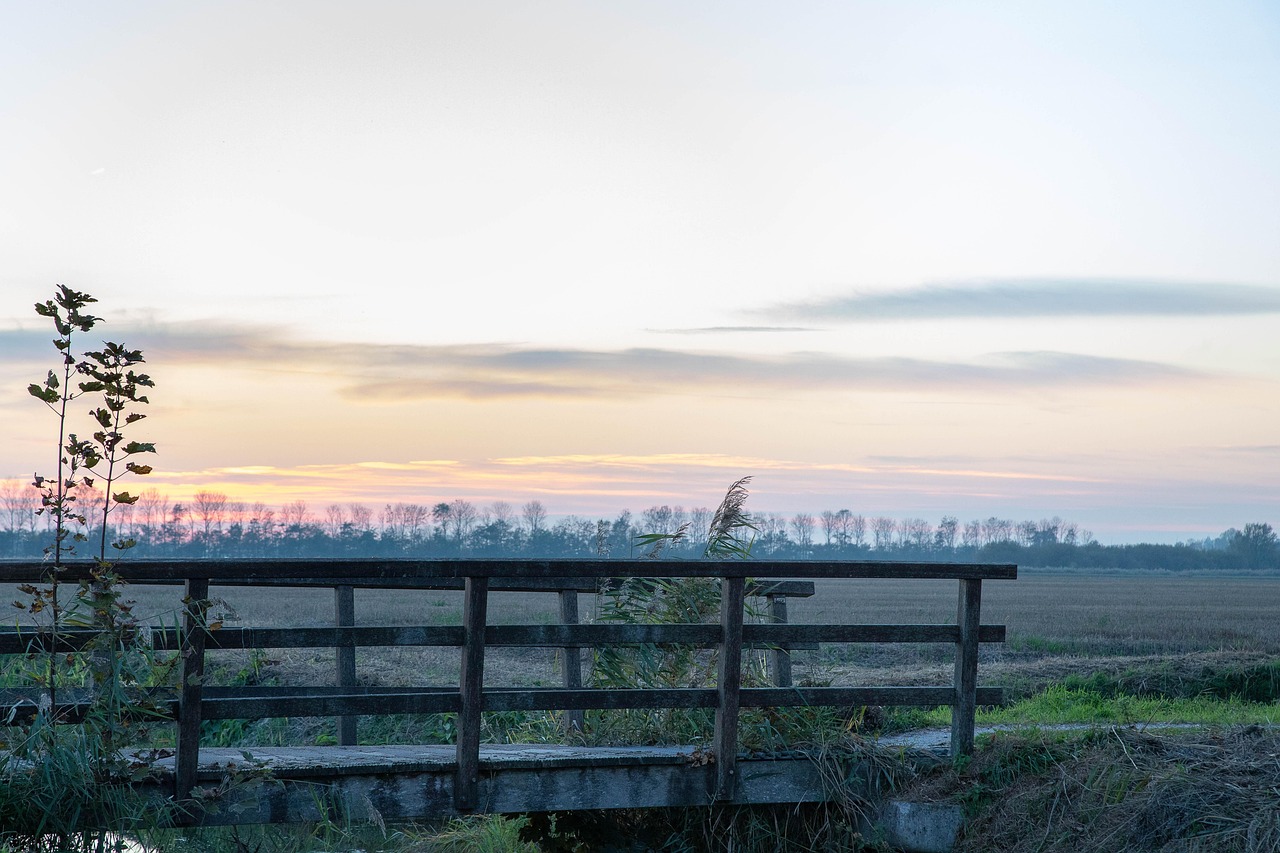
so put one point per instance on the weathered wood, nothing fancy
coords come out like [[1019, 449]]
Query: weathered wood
[[779, 657], [797, 697], [227, 703], [344, 616], [807, 634], [963, 711], [471, 692], [757, 635], [194, 625], [400, 783], [728, 685], [570, 658], [335, 570]]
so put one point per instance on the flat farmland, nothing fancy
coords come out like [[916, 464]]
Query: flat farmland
[[1086, 613], [1058, 623]]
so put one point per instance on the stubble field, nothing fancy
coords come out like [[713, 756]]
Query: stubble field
[[1059, 623]]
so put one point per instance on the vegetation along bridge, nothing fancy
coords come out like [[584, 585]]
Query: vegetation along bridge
[[468, 776]]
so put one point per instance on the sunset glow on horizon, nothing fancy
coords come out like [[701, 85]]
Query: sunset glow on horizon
[[910, 260]]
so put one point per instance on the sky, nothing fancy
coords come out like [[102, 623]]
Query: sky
[[907, 258]]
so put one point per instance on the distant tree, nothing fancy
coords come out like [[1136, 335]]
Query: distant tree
[[335, 516], [971, 537], [1025, 533], [502, 511], [534, 515], [882, 530], [361, 517], [996, 530], [662, 519], [294, 516], [209, 507], [700, 523], [1256, 545], [802, 531], [442, 515], [464, 518], [944, 535], [916, 533], [857, 529], [829, 524]]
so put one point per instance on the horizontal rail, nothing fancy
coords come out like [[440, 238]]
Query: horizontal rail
[[223, 703], [548, 636], [339, 571]]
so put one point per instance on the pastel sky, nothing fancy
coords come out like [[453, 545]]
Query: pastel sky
[[908, 258]]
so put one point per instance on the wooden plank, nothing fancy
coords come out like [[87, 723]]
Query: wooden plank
[[570, 658], [968, 612], [225, 703], [757, 635], [466, 787], [418, 788], [194, 625], [779, 657], [344, 616], [260, 706], [795, 634], [516, 569], [728, 685], [231, 637], [776, 697]]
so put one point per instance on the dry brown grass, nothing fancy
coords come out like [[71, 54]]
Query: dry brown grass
[[1118, 789]]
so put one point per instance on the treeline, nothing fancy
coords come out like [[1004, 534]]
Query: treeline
[[211, 525]]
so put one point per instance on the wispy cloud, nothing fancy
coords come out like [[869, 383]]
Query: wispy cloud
[[1037, 297], [393, 373], [717, 330]]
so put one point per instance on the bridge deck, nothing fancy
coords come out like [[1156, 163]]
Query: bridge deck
[[416, 782]]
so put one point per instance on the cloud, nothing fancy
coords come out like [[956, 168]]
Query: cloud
[[1037, 297], [400, 372], [715, 330]]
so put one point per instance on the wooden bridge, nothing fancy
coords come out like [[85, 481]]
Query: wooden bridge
[[424, 781]]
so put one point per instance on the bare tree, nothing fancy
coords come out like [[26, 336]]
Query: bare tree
[[996, 530], [19, 502], [858, 530], [830, 524], [802, 530], [661, 519], [882, 530], [534, 515], [335, 516], [1025, 533], [915, 533], [294, 515], [464, 518], [262, 520], [361, 517], [972, 535], [503, 512], [210, 508]]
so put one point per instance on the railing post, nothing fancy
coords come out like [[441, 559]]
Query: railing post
[[571, 658], [466, 785], [728, 682], [194, 625], [344, 616], [780, 656], [968, 617]]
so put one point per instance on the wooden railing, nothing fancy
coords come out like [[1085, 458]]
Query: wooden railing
[[196, 702]]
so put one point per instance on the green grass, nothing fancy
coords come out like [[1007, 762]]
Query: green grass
[[1059, 705]]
